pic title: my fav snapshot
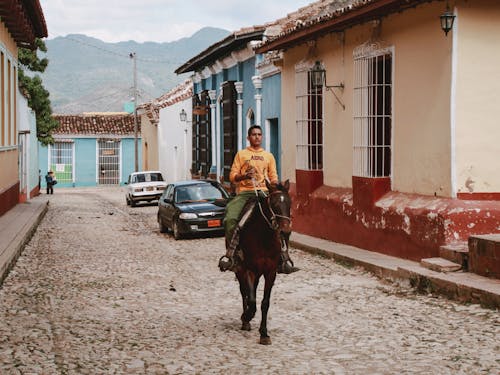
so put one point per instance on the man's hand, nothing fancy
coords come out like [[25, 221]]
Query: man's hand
[[249, 173]]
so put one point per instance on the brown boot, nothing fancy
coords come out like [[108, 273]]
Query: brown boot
[[228, 261]]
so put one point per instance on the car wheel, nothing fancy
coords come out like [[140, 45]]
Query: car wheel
[[128, 201], [175, 229], [163, 228]]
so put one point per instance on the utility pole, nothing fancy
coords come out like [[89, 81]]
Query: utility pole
[[136, 154]]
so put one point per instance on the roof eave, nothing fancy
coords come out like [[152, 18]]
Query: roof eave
[[24, 20], [357, 16], [219, 49]]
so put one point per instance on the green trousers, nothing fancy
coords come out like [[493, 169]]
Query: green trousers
[[233, 211]]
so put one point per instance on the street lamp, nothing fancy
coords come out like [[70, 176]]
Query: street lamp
[[447, 19], [318, 80], [183, 115]]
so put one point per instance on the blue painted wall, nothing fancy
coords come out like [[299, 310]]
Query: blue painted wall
[[271, 109], [85, 163], [33, 154], [43, 162], [271, 95]]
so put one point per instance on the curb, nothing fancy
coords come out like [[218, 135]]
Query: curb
[[464, 287]]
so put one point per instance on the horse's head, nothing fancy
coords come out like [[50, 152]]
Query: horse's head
[[279, 204]]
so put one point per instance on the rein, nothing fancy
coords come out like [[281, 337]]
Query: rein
[[273, 223]]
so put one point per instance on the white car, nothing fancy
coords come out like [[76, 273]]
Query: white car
[[145, 186]]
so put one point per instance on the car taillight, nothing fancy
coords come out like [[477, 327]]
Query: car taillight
[[137, 190]]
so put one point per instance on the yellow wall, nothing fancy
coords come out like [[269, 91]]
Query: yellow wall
[[8, 168], [6, 40], [421, 101], [149, 136], [477, 104], [8, 156]]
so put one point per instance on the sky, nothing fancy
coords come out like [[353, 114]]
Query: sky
[[158, 20]]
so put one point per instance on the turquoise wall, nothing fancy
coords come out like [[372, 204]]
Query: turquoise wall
[[43, 162], [33, 153], [271, 97], [271, 109], [85, 162]]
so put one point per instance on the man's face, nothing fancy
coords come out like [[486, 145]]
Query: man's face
[[255, 138]]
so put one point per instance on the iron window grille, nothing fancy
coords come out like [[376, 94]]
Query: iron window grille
[[372, 128], [61, 160], [109, 162], [309, 120]]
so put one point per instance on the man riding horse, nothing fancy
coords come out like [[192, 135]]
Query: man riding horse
[[250, 170]]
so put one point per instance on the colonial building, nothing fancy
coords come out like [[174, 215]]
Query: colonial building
[[21, 22], [389, 122], [166, 133], [92, 149]]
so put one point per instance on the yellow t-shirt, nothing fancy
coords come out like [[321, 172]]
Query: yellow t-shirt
[[261, 160]]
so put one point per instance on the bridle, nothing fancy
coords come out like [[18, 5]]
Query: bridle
[[272, 222]]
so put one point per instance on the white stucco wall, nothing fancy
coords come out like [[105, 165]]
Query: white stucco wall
[[174, 142], [27, 122]]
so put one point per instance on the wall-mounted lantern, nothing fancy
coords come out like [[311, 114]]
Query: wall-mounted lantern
[[318, 79], [447, 19], [183, 115]]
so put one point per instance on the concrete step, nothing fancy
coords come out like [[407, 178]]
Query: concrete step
[[440, 265], [484, 255], [457, 252]]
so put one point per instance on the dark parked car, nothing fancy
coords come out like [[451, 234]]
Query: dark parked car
[[191, 207]]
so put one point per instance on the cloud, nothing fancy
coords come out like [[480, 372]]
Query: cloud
[[157, 20]]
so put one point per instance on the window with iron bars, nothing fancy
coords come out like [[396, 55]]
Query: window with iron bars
[[372, 128], [61, 160], [309, 121]]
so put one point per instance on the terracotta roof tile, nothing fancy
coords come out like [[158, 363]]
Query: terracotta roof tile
[[311, 14], [178, 94], [96, 124]]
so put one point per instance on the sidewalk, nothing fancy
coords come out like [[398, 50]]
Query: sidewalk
[[18, 225], [462, 286], [16, 228]]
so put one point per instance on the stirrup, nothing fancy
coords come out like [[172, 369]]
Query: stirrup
[[225, 263]]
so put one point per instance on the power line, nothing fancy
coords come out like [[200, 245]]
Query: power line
[[119, 54]]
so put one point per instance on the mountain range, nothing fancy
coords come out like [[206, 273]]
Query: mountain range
[[86, 74]]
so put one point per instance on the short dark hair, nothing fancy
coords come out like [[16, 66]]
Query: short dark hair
[[252, 128]]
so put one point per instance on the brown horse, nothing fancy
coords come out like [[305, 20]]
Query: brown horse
[[261, 240]]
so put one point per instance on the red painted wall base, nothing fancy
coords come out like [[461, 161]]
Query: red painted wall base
[[9, 198], [404, 225]]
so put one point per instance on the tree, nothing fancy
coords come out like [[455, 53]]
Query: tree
[[38, 96]]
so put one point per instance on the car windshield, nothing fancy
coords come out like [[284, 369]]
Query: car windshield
[[198, 193], [148, 177]]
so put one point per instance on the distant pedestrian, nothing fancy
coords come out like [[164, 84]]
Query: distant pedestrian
[[50, 179]]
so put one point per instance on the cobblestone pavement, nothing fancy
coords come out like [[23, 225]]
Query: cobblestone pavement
[[99, 290]]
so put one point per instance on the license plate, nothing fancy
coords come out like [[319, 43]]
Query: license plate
[[149, 188], [213, 223]]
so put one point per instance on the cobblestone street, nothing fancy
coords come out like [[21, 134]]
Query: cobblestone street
[[99, 290]]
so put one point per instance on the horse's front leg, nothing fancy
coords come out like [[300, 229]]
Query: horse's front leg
[[264, 337], [245, 291], [251, 283]]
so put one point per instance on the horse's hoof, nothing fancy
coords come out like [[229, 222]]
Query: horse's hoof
[[265, 341], [245, 326]]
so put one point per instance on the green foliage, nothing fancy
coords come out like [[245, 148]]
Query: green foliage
[[38, 96]]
